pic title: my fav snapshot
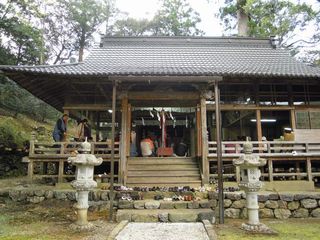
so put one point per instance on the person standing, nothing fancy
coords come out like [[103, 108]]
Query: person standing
[[83, 130], [60, 129]]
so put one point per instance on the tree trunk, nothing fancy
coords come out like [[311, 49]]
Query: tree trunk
[[243, 19]]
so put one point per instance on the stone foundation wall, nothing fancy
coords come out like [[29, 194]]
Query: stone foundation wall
[[272, 205]]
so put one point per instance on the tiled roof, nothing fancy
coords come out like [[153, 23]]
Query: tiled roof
[[154, 56]]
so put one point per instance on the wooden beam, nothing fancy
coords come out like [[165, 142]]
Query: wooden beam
[[198, 123], [94, 107], [238, 107], [163, 95]]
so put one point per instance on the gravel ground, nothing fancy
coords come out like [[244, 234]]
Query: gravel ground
[[163, 231]]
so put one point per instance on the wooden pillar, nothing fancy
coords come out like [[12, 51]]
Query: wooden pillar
[[123, 143], [114, 99], [238, 176], [60, 171], [258, 123], [219, 153], [128, 129], [292, 119], [309, 169], [198, 121], [270, 170], [204, 140]]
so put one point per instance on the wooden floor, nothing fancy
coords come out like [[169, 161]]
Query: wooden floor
[[166, 171]]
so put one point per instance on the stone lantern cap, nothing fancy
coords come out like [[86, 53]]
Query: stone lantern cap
[[248, 159], [85, 147]]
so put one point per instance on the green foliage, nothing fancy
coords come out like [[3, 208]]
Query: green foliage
[[131, 27], [21, 42], [174, 18], [84, 18], [280, 18], [10, 137]]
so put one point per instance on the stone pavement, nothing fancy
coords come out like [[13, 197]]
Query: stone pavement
[[163, 231]]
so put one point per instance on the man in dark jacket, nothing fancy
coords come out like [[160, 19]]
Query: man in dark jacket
[[60, 129]]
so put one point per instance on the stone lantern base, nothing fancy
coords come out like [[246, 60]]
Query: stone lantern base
[[259, 228], [82, 228]]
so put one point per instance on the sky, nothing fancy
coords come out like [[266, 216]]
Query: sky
[[206, 8]]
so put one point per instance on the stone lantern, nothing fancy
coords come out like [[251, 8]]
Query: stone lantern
[[84, 162], [250, 174]]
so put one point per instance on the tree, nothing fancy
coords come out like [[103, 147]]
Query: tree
[[176, 18], [280, 18], [84, 17], [131, 27], [21, 41]]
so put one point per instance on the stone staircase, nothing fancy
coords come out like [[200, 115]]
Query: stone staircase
[[162, 211], [163, 171]]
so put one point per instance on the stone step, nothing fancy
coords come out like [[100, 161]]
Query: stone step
[[193, 184], [162, 173], [161, 159], [167, 179], [165, 215], [161, 162], [180, 167]]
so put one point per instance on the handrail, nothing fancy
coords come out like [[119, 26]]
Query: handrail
[[267, 148], [39, 149]]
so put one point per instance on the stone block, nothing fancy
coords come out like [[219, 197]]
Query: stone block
[[286, 197], [227, 203], [233, 195], [272, 204], [17, 195], [183, 217], [282, 213], [212, 195], [194, 205], [163, 217], [48, 194], [232, 213], [124, 204], [180, 205], [301, 213], [266, 213], [96, 195], [150, 217], [60, 195], [261, 205], [206, 216], [213, 203], [71, 196], [152, 205], [138, 204], [204, 204], [263, 198], [122, 216], [39, 192], [104, 196], [167, 205], [35, 199], [309, 203], [298, 197], [293, 205], [282, 204], [244, 213], [273, 196], [316, 213], [239, 204]]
